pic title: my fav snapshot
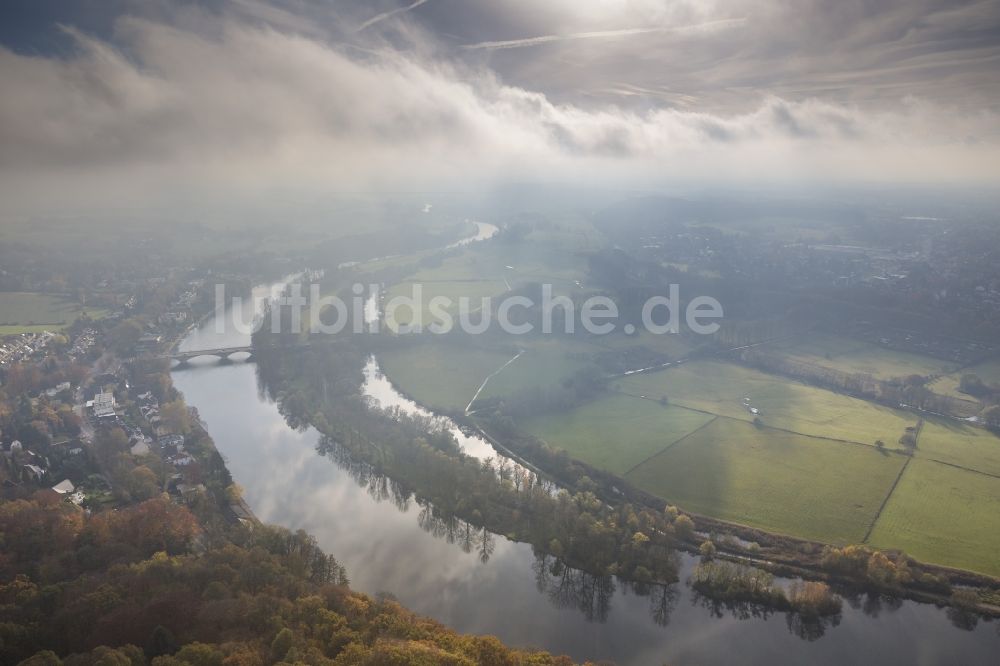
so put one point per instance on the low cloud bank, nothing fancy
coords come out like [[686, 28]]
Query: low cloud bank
[[169, 110]]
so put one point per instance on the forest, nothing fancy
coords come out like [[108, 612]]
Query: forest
[[148, 585]]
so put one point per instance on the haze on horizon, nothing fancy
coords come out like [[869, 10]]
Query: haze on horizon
[[119, 104]]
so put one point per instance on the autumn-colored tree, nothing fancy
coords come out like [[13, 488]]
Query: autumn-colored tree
[[142, 483], [30, 532], [176, 417], [124, 336], [813, 598], [42, 658], [281, 644], [199, 654], [684, 527], [110, 442], [154, 525], [161, 642]]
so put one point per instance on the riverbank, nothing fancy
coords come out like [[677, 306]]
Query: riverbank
[[781, 554], [450, 567]]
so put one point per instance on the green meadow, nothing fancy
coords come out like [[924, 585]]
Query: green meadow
[[438, 376], [960, 444], [856, 357], [778, 481], [721, 388], [27, 312], [944, 515], [616, 432]]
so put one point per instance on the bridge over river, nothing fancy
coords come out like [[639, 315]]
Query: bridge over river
[[221, 353]]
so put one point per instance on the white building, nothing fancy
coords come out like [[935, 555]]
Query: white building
[[64, 487], [104, 405]]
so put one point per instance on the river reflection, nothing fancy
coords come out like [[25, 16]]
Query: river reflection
[[377, 531], [380, 389]]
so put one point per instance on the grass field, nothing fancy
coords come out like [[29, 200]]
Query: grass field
[[474, 290], [25, 312], [15, 330], [720, 388], [440, 377], [554, 255], [616, 432], [810, 471], [517, 264], [854, 356], [444, 376], [989, 372], [944, 515], [544, 363], [777, 481], [672, 345], [948, 385], [960, 444]]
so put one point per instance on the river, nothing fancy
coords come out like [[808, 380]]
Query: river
[[392, 547]]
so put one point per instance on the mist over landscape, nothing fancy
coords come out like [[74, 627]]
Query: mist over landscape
[[458, 332]]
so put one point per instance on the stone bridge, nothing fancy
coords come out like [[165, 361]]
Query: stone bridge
[[221, 353]]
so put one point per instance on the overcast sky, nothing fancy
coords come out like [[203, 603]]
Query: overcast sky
[[119, 102]]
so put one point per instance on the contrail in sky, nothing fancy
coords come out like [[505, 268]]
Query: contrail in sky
[[625, 32], [384, 15]]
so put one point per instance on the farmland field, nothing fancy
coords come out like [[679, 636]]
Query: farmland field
[[674, 346], [554, 255], [944, 515], [960, 444], [854, 356], [439, 376], [720, 388], [474, 290], [519, 263], [616, 432], [773, 480], [24, 312], [809, 470], [988, 371], [543, 364]]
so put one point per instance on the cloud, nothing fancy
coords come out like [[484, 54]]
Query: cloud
[[605, 34], [224, 109], [389, 14], [872, 53]]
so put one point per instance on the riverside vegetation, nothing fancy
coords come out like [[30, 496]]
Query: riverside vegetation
[[590, 525]]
